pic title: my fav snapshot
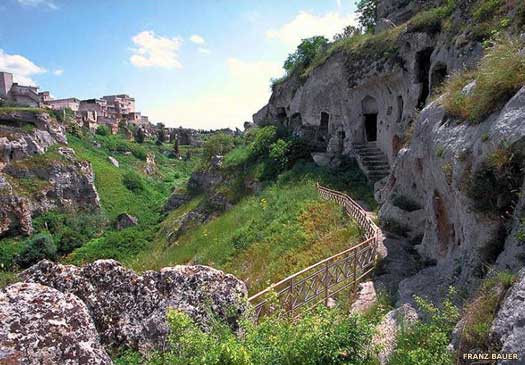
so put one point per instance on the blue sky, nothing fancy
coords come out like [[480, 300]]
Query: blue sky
[[202, 64]]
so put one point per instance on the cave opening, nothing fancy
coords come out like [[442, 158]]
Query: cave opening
[[323, 126], [422, 73], [438, 75], [371, 127]]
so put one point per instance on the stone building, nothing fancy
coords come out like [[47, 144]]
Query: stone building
[[119, 106], [19, 94], [61, 104]]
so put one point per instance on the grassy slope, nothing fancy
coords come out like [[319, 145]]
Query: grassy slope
[[263, 238]]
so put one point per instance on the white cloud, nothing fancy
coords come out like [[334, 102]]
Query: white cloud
[[34, 3], [21, 68], [306, 24], [204, 50], [58, 72], [230, 103], [155, 51], [197, 39]]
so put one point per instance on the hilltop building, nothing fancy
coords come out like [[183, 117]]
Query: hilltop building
[[19, 94]]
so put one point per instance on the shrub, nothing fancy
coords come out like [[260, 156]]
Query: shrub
[[218, 144], [481, 311], [426, 342], [501, 73], [237, 157], [263, 138], [102, 130], [133, 181], [431, 20], [305, 53], [322, 337], [486, 9], [38, 247]]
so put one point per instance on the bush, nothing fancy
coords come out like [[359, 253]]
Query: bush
[[262, 139], [218, 144], [431, 20], [133, 181], [38, 247], [322, 337], [102, 130], [279, 153], [499, 76], [305, 53], [426, 342]]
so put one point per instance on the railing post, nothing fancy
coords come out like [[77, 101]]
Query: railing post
[[355, 272], [290, 305], [326, 284]]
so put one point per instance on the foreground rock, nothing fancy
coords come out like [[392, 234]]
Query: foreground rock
[[40, 325], [130, 310], [126, 220]]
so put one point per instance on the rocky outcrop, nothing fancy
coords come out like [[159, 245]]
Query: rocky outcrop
[[41, 325], [130, 309], [38, 173], [508, 328], [429, 194], [125, 220]]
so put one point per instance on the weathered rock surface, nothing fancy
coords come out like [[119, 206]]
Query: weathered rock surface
[[125, 220], [130, 310], [113, 161], [508, 328], [175, 200], [434, 171], [387, 330], [366, 297], [151, 167], [41, 325]]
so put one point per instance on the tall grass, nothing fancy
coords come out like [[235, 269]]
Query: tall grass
[[501, 73]]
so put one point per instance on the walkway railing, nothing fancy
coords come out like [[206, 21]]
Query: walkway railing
[[318, 283]]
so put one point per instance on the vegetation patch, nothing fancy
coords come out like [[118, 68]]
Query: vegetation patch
[[498, 77], [431, 20]]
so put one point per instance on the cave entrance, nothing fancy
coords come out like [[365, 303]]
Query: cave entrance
[[438, 75], [371, 127], [370, 111], [422, 74], [323, 127]]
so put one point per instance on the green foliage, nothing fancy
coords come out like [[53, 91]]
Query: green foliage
[[218, 144], [140, 135], [485, 9], [494, 186], [480, 312], [321, 337], [279, 153], [103, 130], [348, 32], [498, 77], [40, 246], [431, 20], [262, 139], [367, 10], [520, 234], [425, 342], [305, 53], [133, 181], [7, 278]]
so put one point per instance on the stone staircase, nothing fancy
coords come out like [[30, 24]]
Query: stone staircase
[[372, 160]]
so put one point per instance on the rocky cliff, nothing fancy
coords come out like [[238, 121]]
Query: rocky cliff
[[64, 314], [38, 172]]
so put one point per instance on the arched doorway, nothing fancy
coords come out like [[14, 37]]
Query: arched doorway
[[369, 107]]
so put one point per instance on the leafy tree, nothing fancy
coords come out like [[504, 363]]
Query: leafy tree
[[102, 130], [305, 52], [349, 32], [140, 135], [367, 10], [218, 144], [161, 134]]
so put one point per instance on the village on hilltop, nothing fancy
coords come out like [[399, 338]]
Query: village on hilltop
[[111, 111]]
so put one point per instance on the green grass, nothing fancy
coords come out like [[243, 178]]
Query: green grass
[[499, 76], [10, 109], [263, 238]]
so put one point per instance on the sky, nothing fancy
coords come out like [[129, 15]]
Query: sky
[[201, 64]]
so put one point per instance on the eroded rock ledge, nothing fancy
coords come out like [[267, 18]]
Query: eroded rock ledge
[[110, 306]]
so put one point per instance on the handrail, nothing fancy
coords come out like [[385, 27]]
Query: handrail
[[330, 275]]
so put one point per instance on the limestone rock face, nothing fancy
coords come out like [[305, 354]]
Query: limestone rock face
[[434, 172], [509, 326], [130, 310], [175, 200], [40, 325], [35, 178], [125, 220]]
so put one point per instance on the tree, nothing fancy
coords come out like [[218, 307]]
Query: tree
[[349, 32], [218, 144], [140, 135], [367, 10], [161, 134], [176, 147], [305, 52]]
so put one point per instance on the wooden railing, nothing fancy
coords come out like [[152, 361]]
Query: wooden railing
[[318, 283]]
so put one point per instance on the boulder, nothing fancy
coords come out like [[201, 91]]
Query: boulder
[[113, 161], [508, 328], [387, 330], [41, 325], [366, 297], [176, 200], [125, 220], [130, 309]]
